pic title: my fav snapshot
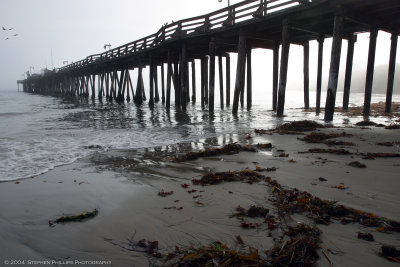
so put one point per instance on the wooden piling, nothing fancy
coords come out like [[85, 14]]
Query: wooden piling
[[240, 72], [151, 80], [370, 70], [392, 69], [228, 80], [139, 95], [202, 81], [169, 78], [349, 70], [156, 94], [284, 67], [193, 81], [334, 68], [275, 76], [206, 80], [162, 83], [177, 85], [221, 82], [212, 75], [319, 73], [306, 72], [249, 77], [183, 76]]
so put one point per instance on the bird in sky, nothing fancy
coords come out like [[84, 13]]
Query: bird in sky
[[4, 29], [15, 34], [10, 29], [6, 39]]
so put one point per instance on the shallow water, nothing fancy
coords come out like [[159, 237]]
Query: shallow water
[[38, 133]]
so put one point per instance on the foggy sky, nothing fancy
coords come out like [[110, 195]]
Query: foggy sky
[[73, 29]]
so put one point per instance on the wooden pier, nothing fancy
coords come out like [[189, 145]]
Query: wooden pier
[[209, 39]]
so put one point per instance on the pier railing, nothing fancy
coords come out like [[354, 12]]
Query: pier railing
[[227, 17]]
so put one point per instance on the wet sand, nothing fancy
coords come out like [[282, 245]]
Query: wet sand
[[124, 186]]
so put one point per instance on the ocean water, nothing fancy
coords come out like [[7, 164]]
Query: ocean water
[[38, 133]]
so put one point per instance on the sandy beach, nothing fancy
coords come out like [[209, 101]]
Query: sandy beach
[[124, 187]]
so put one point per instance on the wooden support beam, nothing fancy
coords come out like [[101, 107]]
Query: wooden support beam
[[162, 83], [177, 84], [156, 96], [306, 72], [206, 80], [202, 81], [212, 75], [334, 68], [138, 99], [187, 82], [128, 83], [120, 96], [275, 76], [392, 69], [240, 72], [284, 67], [221, 82], [151, 80], [249, 77], [228, 80], [169, 78], [370, 70], [319, 73], [193, 81], [183, 76], [349, 70]]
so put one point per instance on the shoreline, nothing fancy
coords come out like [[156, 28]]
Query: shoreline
[[123, 186]]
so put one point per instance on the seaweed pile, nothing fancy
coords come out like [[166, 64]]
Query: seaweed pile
[[229, 149], [75, 218], [322, 138], [330, 151], [299, 126], [247, 176]]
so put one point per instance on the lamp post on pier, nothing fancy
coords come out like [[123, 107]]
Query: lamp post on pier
[[229, 2]]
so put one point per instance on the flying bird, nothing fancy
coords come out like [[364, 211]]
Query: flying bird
[[6, 39], [10, 29], [15, 34], [4, 29]]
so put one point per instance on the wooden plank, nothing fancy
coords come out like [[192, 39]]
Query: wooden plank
[[319, 73], [221, 82], [392, 69], [370, 70], [284, 67], [349, 70], [228, 80], [240, 72], [212, 75], [306, 72], [334, 68]]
